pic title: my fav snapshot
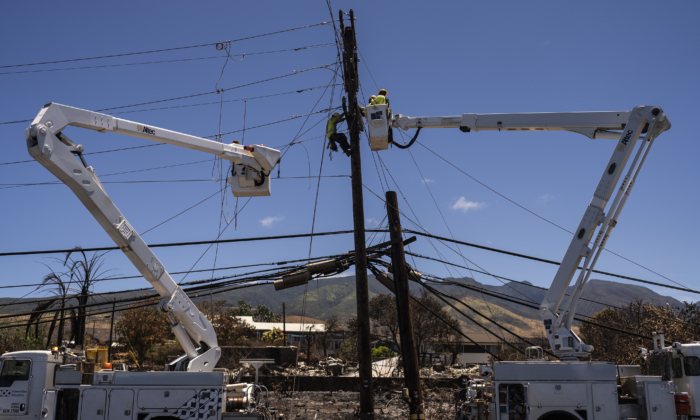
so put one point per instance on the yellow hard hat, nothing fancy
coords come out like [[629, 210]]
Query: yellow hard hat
[[335, 114], [373, 96], [383, 92]]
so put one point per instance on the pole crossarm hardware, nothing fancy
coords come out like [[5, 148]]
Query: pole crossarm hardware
[[625, 126], [56, 152]]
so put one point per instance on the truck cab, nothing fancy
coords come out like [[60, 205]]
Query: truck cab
[[24, 378]]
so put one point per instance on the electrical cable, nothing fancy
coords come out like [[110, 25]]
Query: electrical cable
[[446, 295], [169, 244], [34, 184], [218, 102], [196, 94], [89, 153], [519, 302], [167, 61], [515, 254], [375, 271], [410, 143], [163, 49], [546, 220], [425, 182]]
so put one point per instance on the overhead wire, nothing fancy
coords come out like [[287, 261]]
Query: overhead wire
[[163, 49], [166, 61], [197, 94], [449, 230], [542, 218]]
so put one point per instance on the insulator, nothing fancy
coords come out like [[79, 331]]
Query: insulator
[[292, 280]]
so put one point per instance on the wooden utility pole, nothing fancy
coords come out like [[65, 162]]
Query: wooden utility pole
[[354, 120], [111, 329], [403, 296]]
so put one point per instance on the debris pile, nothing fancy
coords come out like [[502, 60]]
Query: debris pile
[[438, 403]]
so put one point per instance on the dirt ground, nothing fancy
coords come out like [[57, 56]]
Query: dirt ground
[[438, 405]]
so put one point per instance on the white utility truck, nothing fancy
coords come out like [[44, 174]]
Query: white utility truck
[[570, 389], [46, 384]]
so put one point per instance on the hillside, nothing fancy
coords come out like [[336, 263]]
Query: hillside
[[336, 296]]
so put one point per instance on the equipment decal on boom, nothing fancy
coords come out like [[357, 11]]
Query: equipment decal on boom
[[143, 129], [623, 142]]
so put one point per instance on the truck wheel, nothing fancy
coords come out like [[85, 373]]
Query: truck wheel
[[558, 415]]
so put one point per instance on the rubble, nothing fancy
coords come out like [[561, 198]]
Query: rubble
[[338, 368], [343, 405]]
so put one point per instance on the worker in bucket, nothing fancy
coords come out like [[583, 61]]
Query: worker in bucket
[[334, 136], [380, 98]]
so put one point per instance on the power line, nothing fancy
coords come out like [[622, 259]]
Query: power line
[[343, 232], [169, 107], [519, 302], [546, 220], [164, 49], [220, 102], [220, 90], [171, 273], [443, 239], [110, 248], [169, 61], [529, 257], [198, 94], [149, 181]]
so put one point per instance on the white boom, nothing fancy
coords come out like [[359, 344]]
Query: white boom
[[642, 119], [50, 147]]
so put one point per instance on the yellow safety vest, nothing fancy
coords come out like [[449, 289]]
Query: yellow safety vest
[[379, 100], [331, 125]]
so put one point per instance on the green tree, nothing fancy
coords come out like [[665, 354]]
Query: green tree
[[273, 336], [13, 339], [382, 352], [261, 313]]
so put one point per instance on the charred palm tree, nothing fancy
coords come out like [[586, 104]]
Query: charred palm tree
[[61, 292], [35, 317], [83, 272]]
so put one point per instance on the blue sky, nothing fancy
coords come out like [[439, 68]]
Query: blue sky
[[437, 58]]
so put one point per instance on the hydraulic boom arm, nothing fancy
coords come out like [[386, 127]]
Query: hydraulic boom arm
[[648, 120], [50, 147]]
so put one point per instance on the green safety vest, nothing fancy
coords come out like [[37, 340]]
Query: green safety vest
[[379, 100], [331, 125]]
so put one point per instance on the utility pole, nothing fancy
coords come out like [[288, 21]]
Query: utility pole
[[354, 120], [111, 329], [402, 292]]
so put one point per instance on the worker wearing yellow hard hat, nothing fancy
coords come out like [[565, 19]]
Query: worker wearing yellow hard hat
[[335, 137], [380, 98]]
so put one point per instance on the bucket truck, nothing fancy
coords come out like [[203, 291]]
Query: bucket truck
[[39, 384], [570, 389]]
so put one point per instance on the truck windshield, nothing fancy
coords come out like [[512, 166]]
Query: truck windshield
[[691, 365], [14, 370]]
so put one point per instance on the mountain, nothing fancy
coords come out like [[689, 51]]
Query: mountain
[[336, 296]]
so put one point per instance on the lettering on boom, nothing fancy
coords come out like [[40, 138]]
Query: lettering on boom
[[623, 142], [146, 130]]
